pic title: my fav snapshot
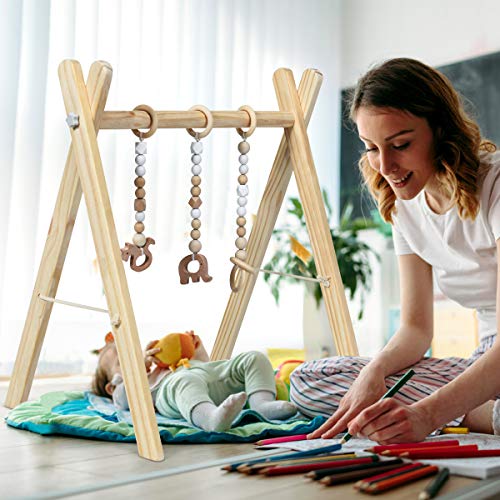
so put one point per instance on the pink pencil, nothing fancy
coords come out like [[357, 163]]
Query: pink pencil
[[284, 439]]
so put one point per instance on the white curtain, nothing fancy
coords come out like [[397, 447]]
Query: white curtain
[[170, 55]]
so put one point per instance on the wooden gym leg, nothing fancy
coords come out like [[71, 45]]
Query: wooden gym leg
[[54, 253], [90, 171], [315, 215], [263, 226]]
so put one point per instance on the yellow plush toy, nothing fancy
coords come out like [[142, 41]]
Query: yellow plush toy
[[176, 350]]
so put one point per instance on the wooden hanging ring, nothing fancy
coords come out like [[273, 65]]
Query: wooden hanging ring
[[153, 124], [209, 125], [253, 122]]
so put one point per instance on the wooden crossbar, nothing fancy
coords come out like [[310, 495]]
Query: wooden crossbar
[[194, 119]]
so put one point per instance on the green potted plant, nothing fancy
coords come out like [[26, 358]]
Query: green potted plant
[[293, 253]]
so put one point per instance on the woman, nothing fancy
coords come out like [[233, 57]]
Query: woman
[[438, 183]]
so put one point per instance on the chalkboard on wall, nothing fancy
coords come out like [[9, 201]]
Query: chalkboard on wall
[[478, 82]]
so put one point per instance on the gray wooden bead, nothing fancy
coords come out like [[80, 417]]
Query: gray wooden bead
[[243, 169], [140, 160], [243, 159], [141, 148], [140, 216], [195, 213], [242, 201], [241, 211], [242, 190], [196, 148], [140, 171], [196, 169], [243, 147], [196, 159]]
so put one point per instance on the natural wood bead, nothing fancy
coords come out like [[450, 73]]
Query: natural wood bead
[[240, 243], [139, 239], [196, 223], [243, 147], [241, 254], [196, 191], [195, 234], [140, 205], [242, 179], [196, 180], [140, 193], [195, 246], [195, 202], [241, 231], [139, 227], [241, 221], [139, 182]]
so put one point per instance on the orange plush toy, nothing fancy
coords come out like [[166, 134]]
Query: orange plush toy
[[176, 350]]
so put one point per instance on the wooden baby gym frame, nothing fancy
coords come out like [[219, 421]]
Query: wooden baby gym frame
[[83, 173]]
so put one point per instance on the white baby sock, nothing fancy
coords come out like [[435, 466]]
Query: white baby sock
[[210, 418], [265, 403]]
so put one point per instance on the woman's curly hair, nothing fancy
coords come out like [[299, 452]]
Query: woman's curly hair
[[409, 85]]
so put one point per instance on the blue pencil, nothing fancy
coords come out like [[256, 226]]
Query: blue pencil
[[295, 454]]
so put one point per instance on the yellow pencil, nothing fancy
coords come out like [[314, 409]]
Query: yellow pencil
[[454, 430]]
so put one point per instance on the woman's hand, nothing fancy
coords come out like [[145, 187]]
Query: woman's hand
[[389, 421], [149, 353], [368, 388]]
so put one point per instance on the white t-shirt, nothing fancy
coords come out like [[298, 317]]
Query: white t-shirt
[[463, 254]]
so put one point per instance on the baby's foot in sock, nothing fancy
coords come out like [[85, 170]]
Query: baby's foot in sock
[[222, 418], [276, 410]]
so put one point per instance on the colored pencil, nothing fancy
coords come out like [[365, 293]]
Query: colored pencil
[[454, 430], [283, 439], [393, 390], [296, 454], [409, 477], [424, 444], [387, 475], [320, 474], [400, 451], [432, 489], [279, 470], [451, 454], [347, 477], [252, 469]]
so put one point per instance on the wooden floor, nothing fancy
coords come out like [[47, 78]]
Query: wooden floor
[[61, 467]]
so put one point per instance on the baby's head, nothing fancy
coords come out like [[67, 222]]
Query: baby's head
[[108, 366]]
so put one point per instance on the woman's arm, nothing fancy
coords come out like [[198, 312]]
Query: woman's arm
[[392, 422], [405, 348]]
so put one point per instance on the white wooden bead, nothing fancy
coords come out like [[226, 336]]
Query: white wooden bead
[[196, 159], [140, 171], [196, 169], [196, 148], [240, 243], [195, 246], [242, 201], [243, 169], [195, 213], [141, 148], [140, 216], [241, 254], [243, 147], [242, 190], [140, 159], [243, 159], [139, 239], [241, 211]]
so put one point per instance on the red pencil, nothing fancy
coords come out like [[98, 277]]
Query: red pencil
[[451, 454], [296, 469], [386, 475], [398, 453], [284, 439], [424, 444], [401, 479]]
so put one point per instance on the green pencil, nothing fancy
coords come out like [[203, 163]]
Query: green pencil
[[393, 390]]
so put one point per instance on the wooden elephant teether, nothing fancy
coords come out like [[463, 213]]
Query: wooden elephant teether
[[185, 275]]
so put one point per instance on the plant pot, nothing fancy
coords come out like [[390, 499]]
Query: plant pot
[[318, 337]]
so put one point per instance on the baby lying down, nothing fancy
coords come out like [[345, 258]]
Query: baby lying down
[[208, 394]]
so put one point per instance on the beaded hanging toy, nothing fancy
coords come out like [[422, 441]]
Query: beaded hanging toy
[[242, 192], [140, 245], [195, 202]]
